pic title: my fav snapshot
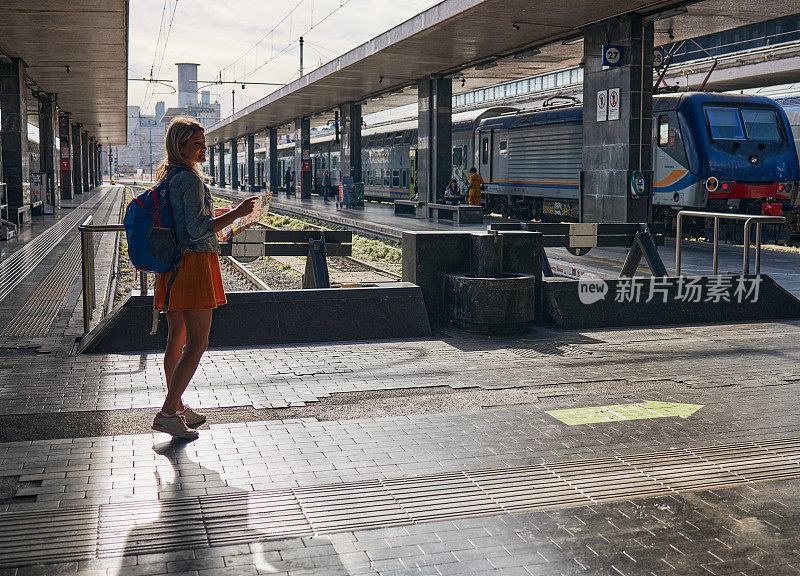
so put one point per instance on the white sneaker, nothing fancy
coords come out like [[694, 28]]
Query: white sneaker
[[174, 425], [192, 418]]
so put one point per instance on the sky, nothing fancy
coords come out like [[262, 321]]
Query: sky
[[252, 39]]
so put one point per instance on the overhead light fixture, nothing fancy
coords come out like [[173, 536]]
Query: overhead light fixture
[[527, 53], [664, 15], [571, 41], [486, 65]]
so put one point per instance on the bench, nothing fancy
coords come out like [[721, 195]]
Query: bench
[[459, 214], [415, 208], [252, 243]]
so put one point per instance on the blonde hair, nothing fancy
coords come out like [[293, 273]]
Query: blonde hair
[[179, 131]]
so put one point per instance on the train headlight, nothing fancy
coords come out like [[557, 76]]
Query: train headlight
[[712, 184], [725, 186], [781, 187]]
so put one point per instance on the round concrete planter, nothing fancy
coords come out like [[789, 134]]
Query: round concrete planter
[[503, 305]]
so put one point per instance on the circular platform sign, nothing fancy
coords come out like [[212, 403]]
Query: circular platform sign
[[658, 57]]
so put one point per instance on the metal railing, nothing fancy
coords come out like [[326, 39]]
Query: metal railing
[[87, 230], [749, 219]]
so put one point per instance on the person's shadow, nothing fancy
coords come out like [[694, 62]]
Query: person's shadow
[[188, 518]]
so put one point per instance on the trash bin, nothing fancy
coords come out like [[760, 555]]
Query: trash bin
[[351, 193]]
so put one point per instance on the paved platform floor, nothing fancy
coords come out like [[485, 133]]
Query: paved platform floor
[[445, 455], [339, 429]]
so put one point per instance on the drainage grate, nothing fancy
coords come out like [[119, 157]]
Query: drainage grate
[[40, 309], [545, 348], [112, 530]]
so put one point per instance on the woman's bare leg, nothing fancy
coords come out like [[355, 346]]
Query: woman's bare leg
[[176, 340], [198, 326]]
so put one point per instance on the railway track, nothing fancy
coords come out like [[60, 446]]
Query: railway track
[[354, 275]]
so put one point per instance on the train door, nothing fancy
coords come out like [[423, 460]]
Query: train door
[[485, 151], [499, 156], [412, 181]]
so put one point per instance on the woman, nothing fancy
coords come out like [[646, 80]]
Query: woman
[[197, 287], [452, 195]]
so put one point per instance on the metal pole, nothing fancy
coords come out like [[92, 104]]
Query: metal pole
[[86, 266], [143, 283], [716, 246], [301, 56], [151, 153], [758, 247], [678, 236], [746, 255]]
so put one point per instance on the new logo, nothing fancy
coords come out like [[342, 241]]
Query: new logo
[[592, 290]]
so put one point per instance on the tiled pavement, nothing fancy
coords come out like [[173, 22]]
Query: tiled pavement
[[746, 376]]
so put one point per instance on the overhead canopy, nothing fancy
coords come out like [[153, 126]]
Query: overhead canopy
[[456, 36], [91, 37]]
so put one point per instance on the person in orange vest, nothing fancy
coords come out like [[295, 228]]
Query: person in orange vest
[[475, 186]]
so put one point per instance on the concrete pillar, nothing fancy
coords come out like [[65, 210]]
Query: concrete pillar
[[65, 156], [212, 167], [302, 156], [16, 160], [77, 160], [234, 164], [85, 158], [251, 164], [48, 163], [614, 150], [350, 115], [99, 155], [273, 175], [435, 136], [90, 152], [221, 180]]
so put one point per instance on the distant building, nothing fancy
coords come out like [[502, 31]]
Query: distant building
[[204, 112]]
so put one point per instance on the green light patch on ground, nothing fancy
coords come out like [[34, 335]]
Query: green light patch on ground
[[640, 411]]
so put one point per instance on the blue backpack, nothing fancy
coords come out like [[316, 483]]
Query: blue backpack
[[150, 228]]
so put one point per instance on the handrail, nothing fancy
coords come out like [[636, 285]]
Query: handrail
[[87, 230], [717, 216]]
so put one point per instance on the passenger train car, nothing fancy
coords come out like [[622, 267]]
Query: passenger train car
[[720, 152]]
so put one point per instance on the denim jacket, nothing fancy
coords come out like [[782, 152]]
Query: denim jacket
[[193, 211]]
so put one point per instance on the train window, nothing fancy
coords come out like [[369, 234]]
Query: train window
[[407, 137], [485, 151], [396, 178], [725, 123], [663, 130], [762, 124], [398, 138], [458, 159], [404, 174], [503, 146], [386, 177]]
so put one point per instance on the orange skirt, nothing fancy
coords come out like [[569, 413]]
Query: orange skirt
[[197, 286]]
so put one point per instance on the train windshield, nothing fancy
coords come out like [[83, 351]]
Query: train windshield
[[729, 123]]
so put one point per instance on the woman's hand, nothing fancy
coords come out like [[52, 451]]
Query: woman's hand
[[245, 207]]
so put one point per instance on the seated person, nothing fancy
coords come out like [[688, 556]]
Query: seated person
[[452, 195]]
